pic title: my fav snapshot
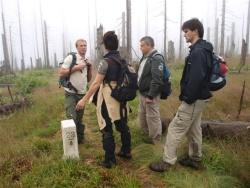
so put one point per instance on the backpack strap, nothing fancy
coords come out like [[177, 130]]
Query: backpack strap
[[111, 61], [165, 69], [73, 63], [123, 107]]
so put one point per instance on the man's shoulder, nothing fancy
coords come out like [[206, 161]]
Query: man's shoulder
[[158, 57]]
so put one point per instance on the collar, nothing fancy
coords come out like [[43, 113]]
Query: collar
[[112, 53], [191, 47], [81, 57]]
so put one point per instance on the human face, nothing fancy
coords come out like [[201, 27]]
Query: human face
[[81, 47], [191, 36], [145, 48]]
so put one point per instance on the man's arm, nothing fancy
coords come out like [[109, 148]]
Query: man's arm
[[64, 70], [196, 75], [157, 76]]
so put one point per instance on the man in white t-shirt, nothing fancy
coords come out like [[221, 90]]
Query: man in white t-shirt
[[80, 75]]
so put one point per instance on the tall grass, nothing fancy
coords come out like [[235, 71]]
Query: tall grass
[[31, 146]]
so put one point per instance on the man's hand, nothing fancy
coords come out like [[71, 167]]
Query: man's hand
[[79, 67], [80, 105], [148, 100]]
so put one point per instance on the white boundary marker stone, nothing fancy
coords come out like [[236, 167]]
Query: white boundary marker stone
[[69, 136]]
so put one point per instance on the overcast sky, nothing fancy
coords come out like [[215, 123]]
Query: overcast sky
[[75, 17]]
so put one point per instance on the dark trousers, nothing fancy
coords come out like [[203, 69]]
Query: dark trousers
[[108, 138], [70, 106]]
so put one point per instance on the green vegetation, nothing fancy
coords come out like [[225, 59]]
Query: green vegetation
[[31, 147]]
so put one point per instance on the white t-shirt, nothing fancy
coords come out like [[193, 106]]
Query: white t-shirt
[[79, 78], [141, 67]]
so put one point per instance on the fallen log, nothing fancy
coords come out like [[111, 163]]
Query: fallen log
[[213, 129], [218, 129], [7, 109]]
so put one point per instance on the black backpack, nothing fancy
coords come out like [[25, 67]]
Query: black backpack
[[217, 78], [64, 81], [126, 87], [166, 87]]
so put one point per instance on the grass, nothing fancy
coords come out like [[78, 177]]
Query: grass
[[31, 147]]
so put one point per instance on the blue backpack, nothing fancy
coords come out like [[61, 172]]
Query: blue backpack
[[166, 87]]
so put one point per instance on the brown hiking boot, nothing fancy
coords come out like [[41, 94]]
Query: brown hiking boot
[[188, 162], [124, 155], [160, 166]]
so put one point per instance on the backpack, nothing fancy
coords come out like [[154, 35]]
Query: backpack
[[219, 69], [166, 87], [126, 87], [64, 81]]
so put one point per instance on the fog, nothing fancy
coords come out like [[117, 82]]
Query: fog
[[79, 19]]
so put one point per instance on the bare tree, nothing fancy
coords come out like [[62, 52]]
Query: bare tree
[[43, 37], [6, 63], [47, 63], [222, 43], [232, 43], [11, 50], [55, 60], [123, 30], [243, 54], [216, 37], [99, 51], [208, 33], [248, 27], [181, 38], [21, 36], [129, 42], [165, 30], [90, 44], [146, 18]]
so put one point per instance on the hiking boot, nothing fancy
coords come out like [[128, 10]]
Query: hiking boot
[[147, 140], [124, 155], [108, 164], [188, 162], [81, 141], [160, 166]]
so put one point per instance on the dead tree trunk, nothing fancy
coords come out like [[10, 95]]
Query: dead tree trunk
[[99, 50], [165, 30], [36, 38], [171, 52], [43, 36], [208, 34], [6, 64], [243, 54], [222, 42], [181, 38], [248, 27], [221, 130], [31, 64], [129, 42], [123, 49], [21, 37], [232, 45], [216, 35], [11, 50], [146, 18], [241, 98], [46, 45], [89, 32], [55, 61]]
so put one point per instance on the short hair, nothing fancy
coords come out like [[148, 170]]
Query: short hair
[[110, 40], [194, 24], [80, 40], [148, 40]]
